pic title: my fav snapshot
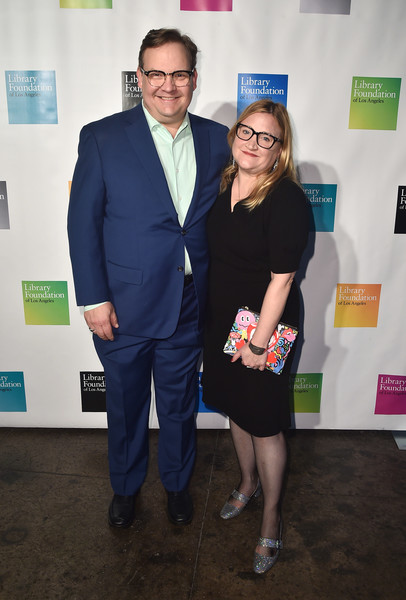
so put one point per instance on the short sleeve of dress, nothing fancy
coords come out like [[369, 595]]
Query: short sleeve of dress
[[287, 225]]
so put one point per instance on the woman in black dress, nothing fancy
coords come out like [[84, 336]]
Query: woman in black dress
[[257, 231]]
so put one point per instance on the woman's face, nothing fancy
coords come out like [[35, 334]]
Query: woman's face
[[249, 156]]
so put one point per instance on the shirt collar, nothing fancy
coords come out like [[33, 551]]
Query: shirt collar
[[153, 124]]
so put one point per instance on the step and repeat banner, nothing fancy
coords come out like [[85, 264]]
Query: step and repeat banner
[[339, 68]]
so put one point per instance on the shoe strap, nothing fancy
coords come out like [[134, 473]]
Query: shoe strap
[[240, 497], [258, 490], [269, 543]]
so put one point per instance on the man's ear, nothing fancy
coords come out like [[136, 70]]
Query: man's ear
[[194, 80], [139, 77]]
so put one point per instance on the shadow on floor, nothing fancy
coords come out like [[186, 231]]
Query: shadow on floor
[[344, 523]]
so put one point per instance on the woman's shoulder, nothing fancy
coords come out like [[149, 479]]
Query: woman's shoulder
[[287, 188], [287, 196]]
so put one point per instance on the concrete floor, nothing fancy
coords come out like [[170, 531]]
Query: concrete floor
[[344, 523]]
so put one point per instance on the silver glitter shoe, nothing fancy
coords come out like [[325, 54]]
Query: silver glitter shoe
[[262, 564], [230, 511]]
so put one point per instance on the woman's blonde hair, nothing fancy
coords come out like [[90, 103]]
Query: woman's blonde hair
[[285, 166]]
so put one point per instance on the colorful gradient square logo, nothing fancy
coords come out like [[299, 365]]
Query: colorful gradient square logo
[[357, 305], [12, 392], [374, 103], [391, 395], [331, 7], [260, 86], [4, 218], [31, 97], [207, 5], [45, 302], [201, 407], [322, 198], [305, 392], [86, 3]]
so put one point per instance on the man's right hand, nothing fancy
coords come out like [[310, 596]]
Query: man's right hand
[[101, 320]]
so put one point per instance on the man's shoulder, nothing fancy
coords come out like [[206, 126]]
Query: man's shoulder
[[111, 121]]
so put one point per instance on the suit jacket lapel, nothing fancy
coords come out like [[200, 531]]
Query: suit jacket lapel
[[202, 148], [143, 145]]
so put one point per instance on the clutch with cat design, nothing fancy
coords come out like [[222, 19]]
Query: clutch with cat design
[[279, 345]]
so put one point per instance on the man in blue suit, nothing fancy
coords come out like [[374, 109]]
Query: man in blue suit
[[144, 182]]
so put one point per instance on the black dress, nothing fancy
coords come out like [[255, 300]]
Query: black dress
[[244, 248]]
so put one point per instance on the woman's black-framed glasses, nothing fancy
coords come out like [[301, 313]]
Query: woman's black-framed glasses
[[264, 140], [158, 78]]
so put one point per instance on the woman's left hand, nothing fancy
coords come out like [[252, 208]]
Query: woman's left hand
[[249, 359]]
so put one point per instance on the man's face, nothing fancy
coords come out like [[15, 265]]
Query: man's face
[[168, 103]]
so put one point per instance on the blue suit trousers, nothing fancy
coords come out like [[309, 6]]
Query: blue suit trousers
[[128, 363]]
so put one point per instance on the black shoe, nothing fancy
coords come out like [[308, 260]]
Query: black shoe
[[121, 511], [180, 507]]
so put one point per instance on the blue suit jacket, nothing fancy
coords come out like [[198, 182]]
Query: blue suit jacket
[[126, 243]]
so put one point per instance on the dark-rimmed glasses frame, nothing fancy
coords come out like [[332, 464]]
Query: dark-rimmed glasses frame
[[258, 133], [165, 75]]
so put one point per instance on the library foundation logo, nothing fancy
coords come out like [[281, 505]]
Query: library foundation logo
[[374, 103], [305, 392], [400, 219], [45, 302], [4, 218], [391, 395], [31, 97], [130, 92], [357, 305], [86, 3], [93, 391], [206, 5], [322, 198], [12, 392], [259, 86]]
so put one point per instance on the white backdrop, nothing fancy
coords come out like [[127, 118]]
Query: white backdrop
[[88, 49]]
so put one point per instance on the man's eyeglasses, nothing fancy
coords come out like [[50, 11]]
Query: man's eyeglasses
[[264, 140], [158, 78]]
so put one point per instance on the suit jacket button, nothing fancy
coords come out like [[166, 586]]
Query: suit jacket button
[[180, 268], [183, 231]]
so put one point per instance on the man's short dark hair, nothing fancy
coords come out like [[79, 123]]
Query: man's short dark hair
[[159, 37]]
